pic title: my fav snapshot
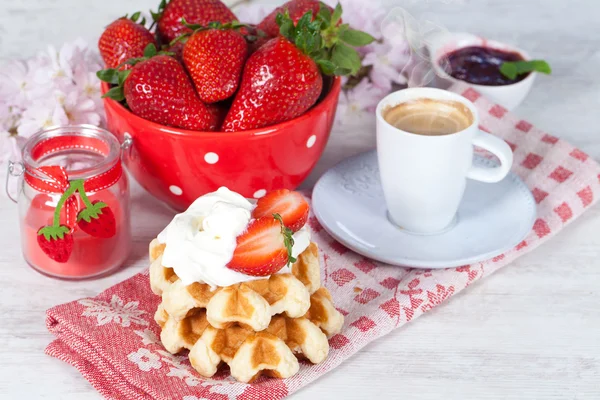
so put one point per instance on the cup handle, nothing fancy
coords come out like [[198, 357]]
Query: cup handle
[[501, 150]]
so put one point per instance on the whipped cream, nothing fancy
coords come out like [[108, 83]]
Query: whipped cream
[[200, 241]]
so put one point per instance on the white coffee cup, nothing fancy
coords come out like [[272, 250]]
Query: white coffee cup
[[424, 177]]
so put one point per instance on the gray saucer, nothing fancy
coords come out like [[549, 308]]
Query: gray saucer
[[492, 218]]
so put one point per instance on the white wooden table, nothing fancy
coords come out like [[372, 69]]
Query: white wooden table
[[531, 331]]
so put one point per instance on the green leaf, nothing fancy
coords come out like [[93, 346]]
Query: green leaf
[[150, 50], [324, 14], [110, 75], [53, 232], [161, 7], [355, 38], [320, 54], [286, 25], [339, 71], [304, 21], [115, 93], [337, 14], [345, 57], [143, 21], [91, 212], [122, 76], [327, 67], [135, 16], [193, 27], [511, 69]]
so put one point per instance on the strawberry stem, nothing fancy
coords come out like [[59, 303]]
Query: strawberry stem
[[288, 238], [68, 193], [79, 187]]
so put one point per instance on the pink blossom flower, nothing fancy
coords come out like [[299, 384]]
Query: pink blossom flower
[[9, 141], [387, 60], [88, 86], [42, 114], [362, 97], [9, 148], [362, 15], [18, 86], [80, 109]]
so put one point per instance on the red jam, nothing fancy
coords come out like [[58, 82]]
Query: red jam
[[480, 65]]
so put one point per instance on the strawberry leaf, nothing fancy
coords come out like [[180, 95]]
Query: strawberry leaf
[[91, 212], [286, 25], [324, 15], [339, 71], [337, 14], [155, 16], [328, 43], [346, 57], [122, 75], [135, 16], [355, 38], [326, 66], [110, 75], [150, 50], [161, 7], [53, 232], [115, 93]]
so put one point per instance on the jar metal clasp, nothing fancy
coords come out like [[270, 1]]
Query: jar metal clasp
[[16, 170]]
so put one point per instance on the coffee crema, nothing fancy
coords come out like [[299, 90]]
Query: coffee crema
[[429, 117]]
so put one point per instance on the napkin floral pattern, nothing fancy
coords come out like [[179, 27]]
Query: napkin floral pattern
[[113, 340]]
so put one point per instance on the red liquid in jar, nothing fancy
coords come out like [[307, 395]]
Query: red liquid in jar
[[480, 65]]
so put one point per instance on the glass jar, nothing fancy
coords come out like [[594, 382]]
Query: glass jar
[[73, 202]]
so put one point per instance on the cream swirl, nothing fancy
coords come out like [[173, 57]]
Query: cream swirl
[[201, 241]]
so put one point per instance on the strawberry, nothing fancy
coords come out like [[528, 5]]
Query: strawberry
[[177, 50], [282, 79], [264, 248], [291, 86], [218, 111], [158, 89], [56, 242], [295, 8], [200, 12], [124, 39], [290, 205], [214, 58], [254, 36], [97, 220]]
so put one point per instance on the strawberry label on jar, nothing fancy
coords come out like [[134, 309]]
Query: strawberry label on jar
[[95, 218]]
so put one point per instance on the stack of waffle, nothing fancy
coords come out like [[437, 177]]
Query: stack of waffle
[[256, 327]]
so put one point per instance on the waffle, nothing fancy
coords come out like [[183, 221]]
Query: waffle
[[249, 354], [251, 303], [259, 327]]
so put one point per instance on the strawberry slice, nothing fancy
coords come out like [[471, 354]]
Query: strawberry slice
[[264, 248], [97, 220], [56, 242], [290, 205]]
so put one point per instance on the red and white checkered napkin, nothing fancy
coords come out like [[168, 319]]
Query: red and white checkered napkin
[[113, 341]]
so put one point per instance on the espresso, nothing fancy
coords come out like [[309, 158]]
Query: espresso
[[429, 117]]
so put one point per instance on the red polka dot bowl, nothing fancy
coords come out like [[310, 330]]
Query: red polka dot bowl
[[177, 166]]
